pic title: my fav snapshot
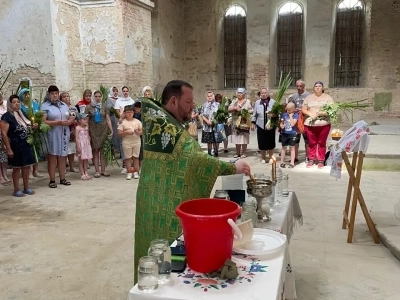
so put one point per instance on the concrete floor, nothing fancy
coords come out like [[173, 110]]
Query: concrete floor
[[77, 242]]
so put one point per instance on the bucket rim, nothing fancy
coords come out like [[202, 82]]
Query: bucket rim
[[234, 212]]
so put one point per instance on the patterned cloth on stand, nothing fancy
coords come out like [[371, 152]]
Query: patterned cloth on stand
[[353, 140]]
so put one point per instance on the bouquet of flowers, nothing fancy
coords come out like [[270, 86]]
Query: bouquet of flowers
[[278, 109], [332, 110], [109, 153], [221, 116], [37, 136]]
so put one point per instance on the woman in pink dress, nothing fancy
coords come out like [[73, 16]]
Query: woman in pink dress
[[83, 148]]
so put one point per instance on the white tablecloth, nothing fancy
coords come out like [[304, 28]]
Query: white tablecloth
[[284, 219], [260, 278]]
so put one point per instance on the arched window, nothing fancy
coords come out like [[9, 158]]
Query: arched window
[[235, 47], [348, 43], [290, 40]]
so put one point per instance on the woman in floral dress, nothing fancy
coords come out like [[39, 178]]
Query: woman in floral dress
[[100, 128], [15, 128]]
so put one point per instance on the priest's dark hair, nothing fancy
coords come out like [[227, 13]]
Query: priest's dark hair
[[173, 88]]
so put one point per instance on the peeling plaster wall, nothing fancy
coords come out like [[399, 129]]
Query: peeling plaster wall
[[28, 52], [168, 42], [138, 47]]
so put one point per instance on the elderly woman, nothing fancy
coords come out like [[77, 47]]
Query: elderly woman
[[147, 93], [317, 124], [3, 153], [240, 135], [15, 128], [26, 104], [208, 110], [265, 136], [100, 129], [56, 115]]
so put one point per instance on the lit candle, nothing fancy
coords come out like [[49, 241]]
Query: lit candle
[[33, 120], [274, 166], [271, 162]]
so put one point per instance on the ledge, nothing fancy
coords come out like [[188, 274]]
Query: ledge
[[143, 3], [91, 2]]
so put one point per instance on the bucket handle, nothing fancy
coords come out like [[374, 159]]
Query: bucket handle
[[238, 233]]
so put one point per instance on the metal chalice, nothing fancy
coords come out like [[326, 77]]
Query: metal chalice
[[259, 189]]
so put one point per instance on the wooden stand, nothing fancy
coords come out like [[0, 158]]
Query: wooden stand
[[354, 169]]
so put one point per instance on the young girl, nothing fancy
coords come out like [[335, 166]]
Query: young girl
[[83, 148], [130, 131]]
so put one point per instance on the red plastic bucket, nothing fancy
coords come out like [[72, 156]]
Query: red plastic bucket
[[207, 233]]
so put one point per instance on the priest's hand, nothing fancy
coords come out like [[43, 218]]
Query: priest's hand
[[242, 167]]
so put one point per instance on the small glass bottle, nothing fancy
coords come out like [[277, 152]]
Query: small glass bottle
[[249, 212], [285, 185]]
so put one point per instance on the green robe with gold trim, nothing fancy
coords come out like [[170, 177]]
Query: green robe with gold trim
[[174, 170]]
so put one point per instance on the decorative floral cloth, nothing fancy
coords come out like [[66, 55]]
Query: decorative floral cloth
[[353, 140], [259, 278]]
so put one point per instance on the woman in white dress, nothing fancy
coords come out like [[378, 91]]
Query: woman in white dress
[[240, 135]]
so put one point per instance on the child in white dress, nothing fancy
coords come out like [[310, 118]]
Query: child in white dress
[[83, 148]]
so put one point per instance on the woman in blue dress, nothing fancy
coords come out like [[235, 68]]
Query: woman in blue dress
[[15, 128], [56, 115]]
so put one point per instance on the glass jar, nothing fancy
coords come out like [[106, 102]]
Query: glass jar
[[163, 259], [148, 274], [221, 194], [249, 212], [285, 185]]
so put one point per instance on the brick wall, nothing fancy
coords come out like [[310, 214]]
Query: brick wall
[[168, 42], [381, 65]]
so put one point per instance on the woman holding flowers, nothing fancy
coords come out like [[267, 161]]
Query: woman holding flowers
[[57, 116], [317, 124], [261, 115], [100, 129], [241, 110], [208, 110], [27, 104], [15, 129]]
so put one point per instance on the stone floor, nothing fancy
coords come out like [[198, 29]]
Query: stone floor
[[77, 242]]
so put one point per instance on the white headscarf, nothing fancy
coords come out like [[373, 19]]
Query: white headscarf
[[93, 101], [111, 93], [145, 89]]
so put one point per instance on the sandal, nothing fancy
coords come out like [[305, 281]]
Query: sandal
[[96, 175], [291, 166], [105, 174], [29, 192], [52, 184], [282, 166], [5, 183], [84, 177], [18, 194], [65, 182]]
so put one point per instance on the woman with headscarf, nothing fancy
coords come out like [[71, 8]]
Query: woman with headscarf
[[26, 104], [57, 116], [15, 128], [3, 153], [99, 126], [147, 93], [265, 137], [317, 124], [240, 134], [112, 98], [208, 110], [85, 101]]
